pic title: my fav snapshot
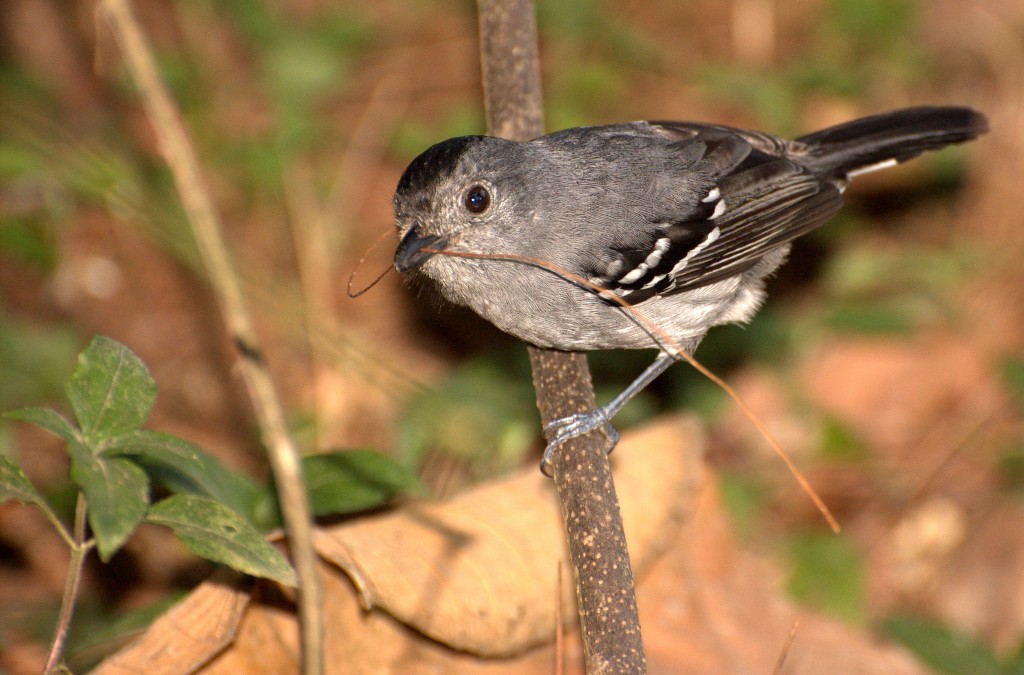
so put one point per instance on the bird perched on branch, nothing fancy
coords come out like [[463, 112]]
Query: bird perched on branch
[[637, 235]]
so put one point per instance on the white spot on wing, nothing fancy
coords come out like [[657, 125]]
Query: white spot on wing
[[635, 275], [712, 236], [713, 194], [653, 258], [719, 209], [656, 280], [660, 247]]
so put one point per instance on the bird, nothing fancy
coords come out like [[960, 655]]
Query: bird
[[636, 235]]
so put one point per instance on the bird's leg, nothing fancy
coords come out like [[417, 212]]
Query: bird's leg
[[561, 430]]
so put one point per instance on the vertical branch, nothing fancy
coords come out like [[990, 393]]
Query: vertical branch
[[582, 475], [180, 155]]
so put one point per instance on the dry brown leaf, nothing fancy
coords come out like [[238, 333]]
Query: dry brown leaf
[[187, 635], [479, 573], [708, 606]]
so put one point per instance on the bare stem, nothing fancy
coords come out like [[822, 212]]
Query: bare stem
[[609, 619], [79, 548], [283, 455]]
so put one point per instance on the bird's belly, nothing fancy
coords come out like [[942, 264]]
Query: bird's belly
[[578, 320]]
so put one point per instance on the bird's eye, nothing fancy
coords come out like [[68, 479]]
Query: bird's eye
[[478, 198]]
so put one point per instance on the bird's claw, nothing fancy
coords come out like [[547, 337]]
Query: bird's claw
[[561, 430]]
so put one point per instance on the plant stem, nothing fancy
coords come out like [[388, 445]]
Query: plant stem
[[609, 619], [282, 453], [71, 585], [68, 537]]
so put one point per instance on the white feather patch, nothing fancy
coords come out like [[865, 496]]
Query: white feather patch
[[877, 166], [712, 236]]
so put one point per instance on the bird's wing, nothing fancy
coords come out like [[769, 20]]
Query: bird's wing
[[751, 199]]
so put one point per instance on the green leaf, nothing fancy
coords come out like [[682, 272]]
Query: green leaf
[[184, 468], [483, 415], [347, 482], [743, 499], [941, 648], [1014, 663], [1010, 467], [47, 419], [827, 573], [14, 484], [871, 318], [342, 482], [1012, 371], [840, 443], [34, 361], [110, 390], [213, 531], [117, 494]]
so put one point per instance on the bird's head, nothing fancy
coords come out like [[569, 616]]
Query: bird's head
[[451, 196]]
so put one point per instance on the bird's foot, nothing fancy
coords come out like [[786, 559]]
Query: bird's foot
[[572, 426]]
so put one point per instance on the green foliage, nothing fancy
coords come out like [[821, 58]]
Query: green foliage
[[827, 573], [110, 390], [946, 650], [114, 462], [1014, 664], [743, 498], [875, 318], [343, 482], [840, 443], [411, 136], [117, 492], [28, 239], [1011, 369], [301, 63], [871, 36], [598, 52], [15, 485], [855, 45], [33, 361], [352, 481], [887, 292], [111, 393], [1011, 468], [181, 467], [481, 414], [213, 531], [773, 98]]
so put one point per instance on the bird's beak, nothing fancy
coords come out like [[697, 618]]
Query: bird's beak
[[410, 254]]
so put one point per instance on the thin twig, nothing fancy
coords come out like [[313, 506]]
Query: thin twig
[[71, 585], [786, 647], [283, 455], [609, 619]]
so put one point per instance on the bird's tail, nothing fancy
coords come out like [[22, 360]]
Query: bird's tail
[[865, 144]]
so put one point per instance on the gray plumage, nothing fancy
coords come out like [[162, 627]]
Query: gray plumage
[[683, 221]]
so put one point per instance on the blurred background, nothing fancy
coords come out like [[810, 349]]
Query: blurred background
[[889, 360]]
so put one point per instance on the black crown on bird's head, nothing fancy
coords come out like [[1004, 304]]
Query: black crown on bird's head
[[432, 166]]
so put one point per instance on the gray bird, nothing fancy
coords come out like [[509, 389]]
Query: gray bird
[[680, 221]]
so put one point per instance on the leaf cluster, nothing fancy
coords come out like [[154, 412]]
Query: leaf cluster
[[219, 514]]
